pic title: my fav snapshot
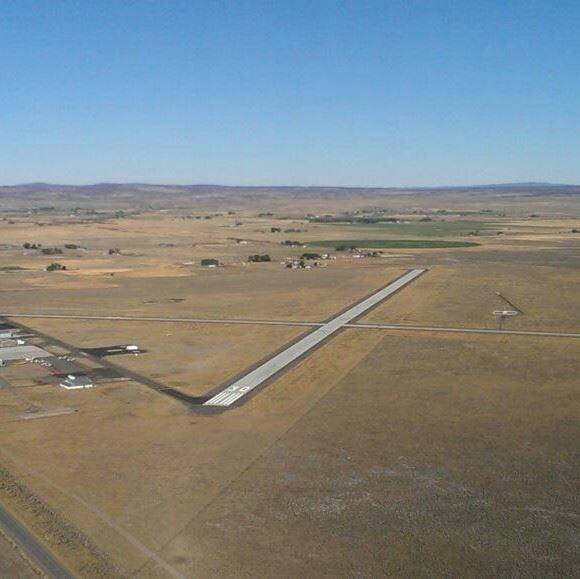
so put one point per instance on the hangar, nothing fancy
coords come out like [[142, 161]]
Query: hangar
[[23, 353]]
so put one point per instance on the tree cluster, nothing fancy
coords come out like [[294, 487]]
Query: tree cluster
[[55, 267], [258, 258]]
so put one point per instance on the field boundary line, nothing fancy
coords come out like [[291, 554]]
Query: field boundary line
[[149, 553]]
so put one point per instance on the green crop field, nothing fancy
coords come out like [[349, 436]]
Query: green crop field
[[431, 228], [393, 243]]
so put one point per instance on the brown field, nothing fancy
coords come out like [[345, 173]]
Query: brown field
[[383, 453], [431, 456], [191, 357], [12, 563], [464, 296]]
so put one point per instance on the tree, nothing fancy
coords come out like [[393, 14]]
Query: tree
[[259, 258], [55, 267]]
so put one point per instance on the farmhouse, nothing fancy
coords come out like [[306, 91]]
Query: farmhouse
[[76, 382]]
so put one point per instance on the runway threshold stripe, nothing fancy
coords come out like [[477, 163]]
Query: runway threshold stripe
[[265, 371], [221, 396], [231, 398]]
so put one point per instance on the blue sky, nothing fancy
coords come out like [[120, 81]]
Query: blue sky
[[369, 93]]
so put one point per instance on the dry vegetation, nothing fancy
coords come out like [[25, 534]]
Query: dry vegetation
[[12, 561], [383, 453]]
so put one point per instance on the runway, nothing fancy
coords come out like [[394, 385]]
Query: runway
[[265, 371]]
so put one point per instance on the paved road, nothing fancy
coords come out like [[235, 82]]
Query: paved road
[[256, 376], [163, 319], [38, 554], [265, 371], [464, 330], [296, 323]]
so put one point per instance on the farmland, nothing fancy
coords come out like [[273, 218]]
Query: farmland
[[393, 243], [435, 227], [380, 452]]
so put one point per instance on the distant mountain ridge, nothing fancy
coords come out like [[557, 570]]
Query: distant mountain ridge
[[108, 186], [144, 191]]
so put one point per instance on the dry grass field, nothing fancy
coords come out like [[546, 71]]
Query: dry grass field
[[464, 295], [434, 456], [384, 453], [192, 357], [12, 563]]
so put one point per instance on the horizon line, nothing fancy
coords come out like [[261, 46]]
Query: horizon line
[[286, 186]]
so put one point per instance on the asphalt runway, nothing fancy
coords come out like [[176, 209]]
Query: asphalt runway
[[242, 387]]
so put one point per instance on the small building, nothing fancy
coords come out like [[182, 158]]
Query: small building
[[76, 382], [209, 262]]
